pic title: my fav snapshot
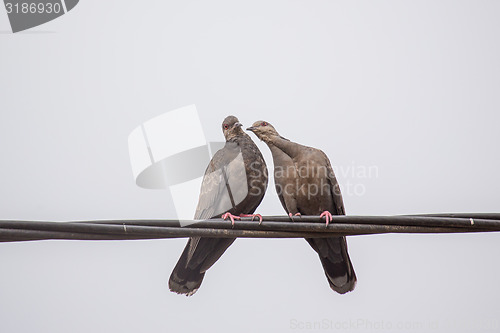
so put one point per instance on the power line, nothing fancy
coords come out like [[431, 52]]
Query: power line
[[271, 227]]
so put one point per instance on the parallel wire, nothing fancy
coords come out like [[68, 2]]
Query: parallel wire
[[271, 227]]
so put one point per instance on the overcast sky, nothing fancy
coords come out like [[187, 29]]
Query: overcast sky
[[407, 91]]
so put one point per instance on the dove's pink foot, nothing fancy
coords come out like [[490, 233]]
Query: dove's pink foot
[[231, 217], [328, 216], [253, 216], [291, 216]]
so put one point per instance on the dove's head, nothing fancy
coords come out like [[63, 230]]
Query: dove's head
[[264, 131], [231, 127]]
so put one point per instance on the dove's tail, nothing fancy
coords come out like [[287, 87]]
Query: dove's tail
[[336, 262], [198, 256], [184, 279]]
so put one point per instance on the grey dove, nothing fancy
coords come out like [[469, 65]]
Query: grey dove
[[306, 185], [234, 183]]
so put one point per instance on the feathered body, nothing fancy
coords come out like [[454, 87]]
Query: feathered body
[[306, 185], [235, 181]]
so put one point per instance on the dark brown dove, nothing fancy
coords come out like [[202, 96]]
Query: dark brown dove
[[234, 183], [306, 185]]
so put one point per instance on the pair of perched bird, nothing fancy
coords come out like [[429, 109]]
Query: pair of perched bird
[[305, 184]]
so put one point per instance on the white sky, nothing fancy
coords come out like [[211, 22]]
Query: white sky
[[408, 88]]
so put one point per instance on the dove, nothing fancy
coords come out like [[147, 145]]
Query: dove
[[306, 185], [234, 184]]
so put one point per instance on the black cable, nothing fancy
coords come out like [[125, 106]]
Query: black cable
[[271, 227]]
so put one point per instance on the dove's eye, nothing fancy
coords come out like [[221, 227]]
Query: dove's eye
[[263, 124], [226, 126]]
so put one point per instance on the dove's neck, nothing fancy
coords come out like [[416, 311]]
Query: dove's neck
[[288, 147]]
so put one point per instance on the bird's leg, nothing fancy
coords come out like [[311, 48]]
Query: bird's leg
[[328, 216], [291, 216], [253, 216], [231, 217]]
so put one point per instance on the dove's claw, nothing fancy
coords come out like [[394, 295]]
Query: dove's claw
[[253, 216], [328, 216], [231, 217]]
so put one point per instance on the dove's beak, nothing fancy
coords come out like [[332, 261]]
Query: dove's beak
[[251, 129], [237, 124]]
